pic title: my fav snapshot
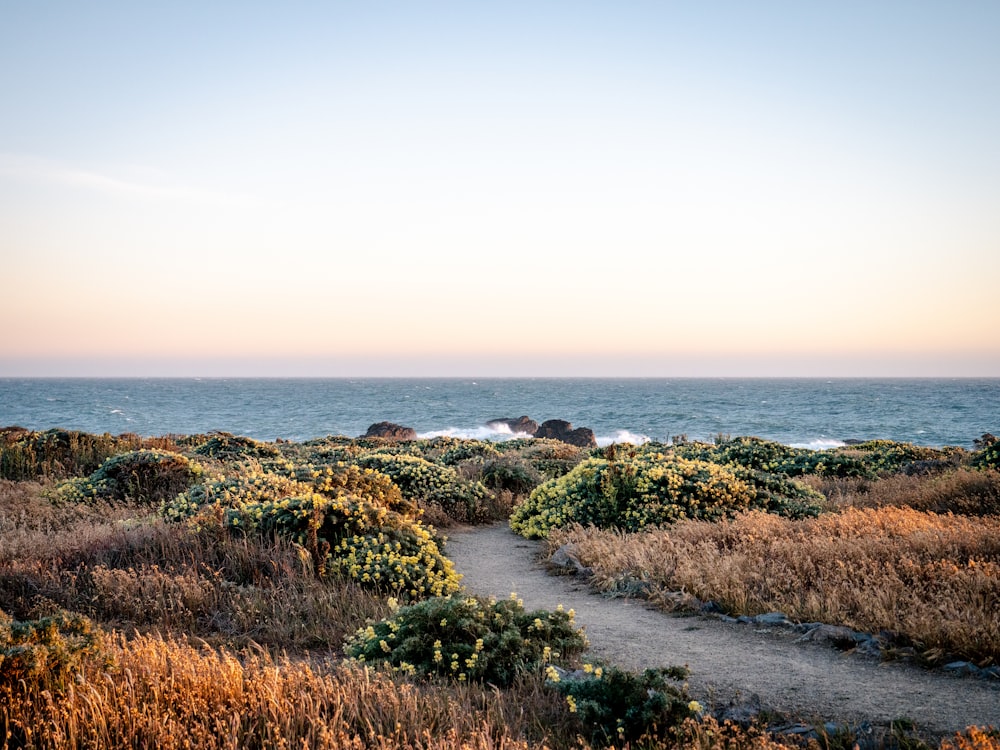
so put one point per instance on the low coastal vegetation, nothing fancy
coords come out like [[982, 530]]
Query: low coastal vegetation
[[214, 591]]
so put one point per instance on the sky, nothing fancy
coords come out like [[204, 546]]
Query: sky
[[519, 188]]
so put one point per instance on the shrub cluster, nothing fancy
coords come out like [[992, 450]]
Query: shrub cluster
[[227, 447], [616, 706], [469, 638], [354, 537], [431, 484], [143, 476], [634, 489]]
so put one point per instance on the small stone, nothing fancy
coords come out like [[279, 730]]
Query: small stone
[[728, 619], [745, 620], [772, 618], [711, 607]]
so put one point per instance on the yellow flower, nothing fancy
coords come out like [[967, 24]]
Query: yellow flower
[[695, 707], [572, 703]]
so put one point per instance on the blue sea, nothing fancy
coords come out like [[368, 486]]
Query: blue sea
[[813, 413]]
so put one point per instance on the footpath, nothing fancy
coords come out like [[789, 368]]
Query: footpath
[[730, 664]]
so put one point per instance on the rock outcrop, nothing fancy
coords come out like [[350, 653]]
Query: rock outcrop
[[559, 429], [391, 431], [523, 424]]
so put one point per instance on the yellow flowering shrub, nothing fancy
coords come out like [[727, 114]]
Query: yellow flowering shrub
[[356, 538], [633, 489], [468, 638], [427, 482], [145, 476]]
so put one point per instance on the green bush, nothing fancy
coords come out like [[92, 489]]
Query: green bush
[[52, 647], [469, 638], [988, 455], [428, 483], [353, 537], [635, 489], [57, 453], [617, 707], [515, 475], [226, 447], [144, 476]]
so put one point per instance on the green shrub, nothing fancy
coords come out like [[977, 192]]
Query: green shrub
[[617, 707], [144, 476], [52, 647], [227, 447], [231, 492], [353, 537], [469, 638], [288, 480], [426, 482], [515, 475], [638, 488], [775, 458], [988, 455], [57, 453]]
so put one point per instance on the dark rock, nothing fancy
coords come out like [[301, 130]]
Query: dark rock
[[962, 667], [559, 429], [839, 635], [728, 619], [745, 620], [565, 558], [391, 431], [853, 441], [711, 608], [523, 424], [772, 618], [993, 672], [868, 646]]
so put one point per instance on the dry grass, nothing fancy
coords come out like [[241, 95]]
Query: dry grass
[[142, 573], [167, 694], [934, 578], [963, 491]]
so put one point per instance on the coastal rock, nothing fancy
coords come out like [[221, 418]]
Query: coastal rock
[[523, 424], [391, 431], [559, 429]]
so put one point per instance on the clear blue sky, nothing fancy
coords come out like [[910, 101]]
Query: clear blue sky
[[491, 189]]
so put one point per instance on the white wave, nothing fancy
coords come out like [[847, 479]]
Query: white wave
[[819, 444], [622, 436], [495, 432]]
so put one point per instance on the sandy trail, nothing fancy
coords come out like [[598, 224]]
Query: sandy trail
[[727, 662]]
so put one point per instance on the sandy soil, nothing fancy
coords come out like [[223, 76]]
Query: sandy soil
[[811, 681]]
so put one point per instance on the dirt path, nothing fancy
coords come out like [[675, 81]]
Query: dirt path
[[727, 662]]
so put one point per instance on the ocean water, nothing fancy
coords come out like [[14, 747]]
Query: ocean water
[[814, 413]]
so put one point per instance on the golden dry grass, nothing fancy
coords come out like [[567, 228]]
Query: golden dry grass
[[934, 578]]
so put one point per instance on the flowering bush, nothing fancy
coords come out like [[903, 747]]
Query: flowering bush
[[616, 706], [354, 537], [227, 447], [988, 455], [145, 476], [421, 480], [635, 489], [469, 638]]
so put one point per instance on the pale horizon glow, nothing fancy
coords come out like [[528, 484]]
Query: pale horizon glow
[[532, 189]]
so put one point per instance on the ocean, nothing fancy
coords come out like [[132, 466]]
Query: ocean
[[812, 413]]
